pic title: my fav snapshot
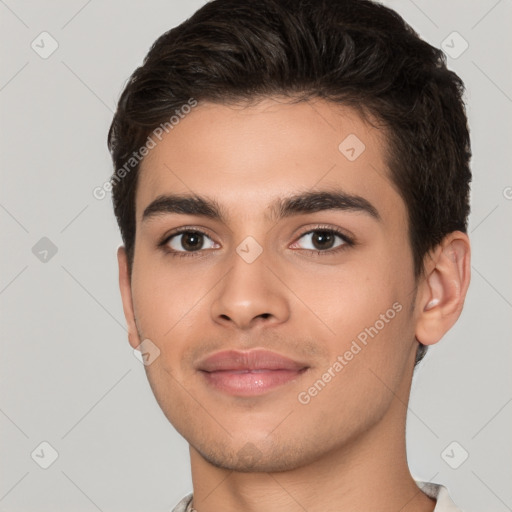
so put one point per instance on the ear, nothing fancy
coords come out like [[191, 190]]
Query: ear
[[126, 296], [447, 275]]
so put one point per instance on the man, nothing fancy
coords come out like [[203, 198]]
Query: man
[[292, 183]]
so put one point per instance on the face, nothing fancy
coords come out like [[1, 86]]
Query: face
[[281, 299]]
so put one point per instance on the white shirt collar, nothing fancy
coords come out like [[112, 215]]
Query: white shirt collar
[[440, 493]]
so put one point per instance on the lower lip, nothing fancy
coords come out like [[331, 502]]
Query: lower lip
[[250, 383]]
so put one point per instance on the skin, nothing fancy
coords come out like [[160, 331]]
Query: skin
[[345, 448]]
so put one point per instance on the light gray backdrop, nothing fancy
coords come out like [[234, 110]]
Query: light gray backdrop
[[68, 375]]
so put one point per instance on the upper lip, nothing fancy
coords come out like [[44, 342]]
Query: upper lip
[[258, 359]]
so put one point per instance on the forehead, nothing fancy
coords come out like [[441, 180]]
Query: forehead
[[247, 156]]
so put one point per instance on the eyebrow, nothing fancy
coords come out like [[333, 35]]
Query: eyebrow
[[303, 203]]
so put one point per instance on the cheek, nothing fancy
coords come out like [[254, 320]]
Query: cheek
[[352, 297], [367, 356], [172, 309], [163, 297], [367, 308]]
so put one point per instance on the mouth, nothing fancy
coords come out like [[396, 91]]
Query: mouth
[[249, 373]]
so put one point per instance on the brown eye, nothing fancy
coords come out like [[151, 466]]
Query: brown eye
[[321, 240], [190, 241]]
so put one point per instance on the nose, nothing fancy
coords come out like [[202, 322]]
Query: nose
[[250, 294]]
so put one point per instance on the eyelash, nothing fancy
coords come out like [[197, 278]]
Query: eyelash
[[348, 242]]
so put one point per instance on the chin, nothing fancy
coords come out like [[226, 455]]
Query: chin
[[251, 458]]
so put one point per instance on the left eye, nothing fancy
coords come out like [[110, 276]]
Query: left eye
[[321, 239], [189, 241]]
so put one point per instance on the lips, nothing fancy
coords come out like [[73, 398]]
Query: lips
[[249, 373], [248, 361]]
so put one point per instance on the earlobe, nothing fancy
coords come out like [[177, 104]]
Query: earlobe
[[444, 289], [126, 296]]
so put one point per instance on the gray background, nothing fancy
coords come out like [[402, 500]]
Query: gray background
[[68, 375]]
